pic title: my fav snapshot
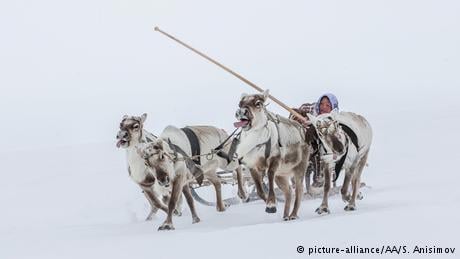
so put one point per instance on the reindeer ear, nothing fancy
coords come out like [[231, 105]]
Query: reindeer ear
[[243, 95], [143, 117], [159, 143], [266, 93]]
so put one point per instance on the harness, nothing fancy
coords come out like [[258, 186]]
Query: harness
[[276, 119], [268, 147], [339, 164], [189, 163], [231, 152], [194, 144], [235, 142], [350, 135]]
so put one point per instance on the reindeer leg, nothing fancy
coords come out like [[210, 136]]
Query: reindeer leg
[[240, 179], [298, 194], [324, 208], [191, 205], [283, 184], [220, 206], [271, 201], [356, 181], [178, 209], [153, 208], [257, 177], [345, 186], [318, 174], [153, 199], [209, 171], [308, 180], [177, 186]]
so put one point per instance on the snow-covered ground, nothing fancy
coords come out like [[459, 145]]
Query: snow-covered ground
[[70, 71]]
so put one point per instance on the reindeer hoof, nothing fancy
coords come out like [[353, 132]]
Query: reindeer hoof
[[177, 213], [270, 209], [166, 227], [293, 217], [244, 198], [350, 208], [345, 198], [322, 210], [195, 220]]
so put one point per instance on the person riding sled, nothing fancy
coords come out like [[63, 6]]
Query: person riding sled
[[325, 104]]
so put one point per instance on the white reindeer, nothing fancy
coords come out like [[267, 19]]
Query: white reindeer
[[169, 160], [130, 134], [274, 144], [346, 136]]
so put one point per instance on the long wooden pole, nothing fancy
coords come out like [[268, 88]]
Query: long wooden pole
[[233, 73]]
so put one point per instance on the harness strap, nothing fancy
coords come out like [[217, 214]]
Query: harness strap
[[194, 143], [221, 145], [233, 146], [277, 122], [354, 139], [191, 166], [351, 134], [268, 147], [339, 164], [231, 152]]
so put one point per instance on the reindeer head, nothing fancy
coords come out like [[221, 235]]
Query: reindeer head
[[330, 132], [158, 160], [251, 114], [130, 130]]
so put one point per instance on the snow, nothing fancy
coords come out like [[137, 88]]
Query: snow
[[71, 70]]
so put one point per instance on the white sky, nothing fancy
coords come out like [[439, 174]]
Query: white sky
[[70, 69]]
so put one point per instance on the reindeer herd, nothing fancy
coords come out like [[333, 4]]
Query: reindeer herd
[[268, 145]]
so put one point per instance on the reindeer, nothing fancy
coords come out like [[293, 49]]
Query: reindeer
[[345, 139], [131, 134], [275, 144], [169, 159]]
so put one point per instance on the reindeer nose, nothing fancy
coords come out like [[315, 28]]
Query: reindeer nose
[[122, 134], [241, 112]]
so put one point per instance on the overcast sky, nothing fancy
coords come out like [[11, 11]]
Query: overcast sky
[[69, 70]]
